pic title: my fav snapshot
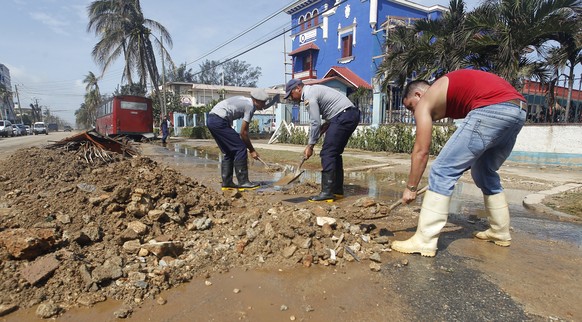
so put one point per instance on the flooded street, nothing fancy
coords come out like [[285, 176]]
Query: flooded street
[[467, 199]]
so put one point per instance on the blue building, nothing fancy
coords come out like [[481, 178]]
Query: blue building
[[340, 43]]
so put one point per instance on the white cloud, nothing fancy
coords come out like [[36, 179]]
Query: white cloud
[[55, 24]]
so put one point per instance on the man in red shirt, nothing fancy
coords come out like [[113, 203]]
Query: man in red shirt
[[494, 113]]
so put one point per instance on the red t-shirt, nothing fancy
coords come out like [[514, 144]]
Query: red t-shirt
[[471, 89]]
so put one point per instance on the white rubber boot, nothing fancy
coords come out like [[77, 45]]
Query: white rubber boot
[[433, 217], [498, 215]]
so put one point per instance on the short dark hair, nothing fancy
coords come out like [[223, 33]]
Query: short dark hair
[[413, 86]]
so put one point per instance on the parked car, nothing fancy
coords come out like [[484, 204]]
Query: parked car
[[6, 128], [67, 128], [39, 128], [21, 129], [28, 129]]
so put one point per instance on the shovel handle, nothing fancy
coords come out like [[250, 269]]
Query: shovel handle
[[399, 202], [263, 162], [300, 164]]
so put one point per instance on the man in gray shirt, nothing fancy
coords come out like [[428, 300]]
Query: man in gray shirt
[[342, 119], [234, 146]]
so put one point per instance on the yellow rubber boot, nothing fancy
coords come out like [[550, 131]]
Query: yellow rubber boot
[[433, 217], [498, 216]]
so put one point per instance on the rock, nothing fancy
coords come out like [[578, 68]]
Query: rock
[[7, 309], [269, 231], [302, 216], [47, 310], [89, 299], [161, 249], [325, 220], [375, 267], [382, 240], [137, 226], [27, 243], [376, 258], [289, 251], [110, 270], [131, 246], [40, 269], [326, 230], [123, 312]]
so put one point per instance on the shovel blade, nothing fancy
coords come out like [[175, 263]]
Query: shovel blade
[[288, 178]]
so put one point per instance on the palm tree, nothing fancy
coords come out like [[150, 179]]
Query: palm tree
[[566, 57], [92, 98], [123, 30], [506, 31], [428, 48]]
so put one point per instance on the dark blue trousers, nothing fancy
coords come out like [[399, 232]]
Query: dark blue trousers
[[228, 140], [340, 129]]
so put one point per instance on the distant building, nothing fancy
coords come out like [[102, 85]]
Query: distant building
[[199, 95], [6, 99], [340, 44]]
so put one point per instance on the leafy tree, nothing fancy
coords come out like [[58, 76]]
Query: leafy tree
[[239, 73], [181, 74], [131, 89], [506, 31], [123, 30], [236, 73], [209, 73], [498, 36]]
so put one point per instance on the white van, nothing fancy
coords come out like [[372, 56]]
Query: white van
[[6, 128]]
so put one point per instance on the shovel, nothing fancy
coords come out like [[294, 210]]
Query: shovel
[[288, 178], [264, 163], [396, 204]]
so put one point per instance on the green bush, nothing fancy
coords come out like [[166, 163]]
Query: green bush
[[197, 132], [395, 138]]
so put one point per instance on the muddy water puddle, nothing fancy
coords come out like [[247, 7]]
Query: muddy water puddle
[[467, 200]]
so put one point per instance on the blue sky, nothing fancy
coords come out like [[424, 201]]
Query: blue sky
[[45, 44]]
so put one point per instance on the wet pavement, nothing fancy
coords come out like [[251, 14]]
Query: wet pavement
[[466, 200]]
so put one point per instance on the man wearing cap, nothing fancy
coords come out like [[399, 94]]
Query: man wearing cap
[[341, 118], [234, 146]]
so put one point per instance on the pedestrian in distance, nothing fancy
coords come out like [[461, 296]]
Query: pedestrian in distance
[[233, 145], [494, 112], [341, 120], [165, 128]]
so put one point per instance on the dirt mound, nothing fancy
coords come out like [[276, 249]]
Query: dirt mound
[[76, 233]]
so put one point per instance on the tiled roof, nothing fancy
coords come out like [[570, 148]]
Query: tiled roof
[[309, 46], [348, 75]]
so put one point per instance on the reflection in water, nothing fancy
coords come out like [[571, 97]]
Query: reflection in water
[[467, 199]]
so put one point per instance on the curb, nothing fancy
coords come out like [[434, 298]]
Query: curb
[[534, 200]]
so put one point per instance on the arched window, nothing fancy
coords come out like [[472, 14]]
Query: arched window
[[301, 23], [308, 20], [315, 17]]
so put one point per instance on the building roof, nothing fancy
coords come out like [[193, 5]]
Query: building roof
[[345, 73], [309, 46]]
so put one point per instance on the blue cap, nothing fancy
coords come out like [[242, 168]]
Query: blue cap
[[291, 86]]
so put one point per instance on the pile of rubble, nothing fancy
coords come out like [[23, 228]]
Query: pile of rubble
[[77, 233]]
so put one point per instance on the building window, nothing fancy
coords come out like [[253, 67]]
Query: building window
[[307, 63], [347, 43], [309, 22], [315, 17], [301, 23]]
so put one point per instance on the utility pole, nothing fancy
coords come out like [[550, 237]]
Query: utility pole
[[19, 106], [163, 107]]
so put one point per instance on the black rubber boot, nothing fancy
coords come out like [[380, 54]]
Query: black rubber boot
[[327, 184], [227, 170], [338, 189], [242, 175]]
